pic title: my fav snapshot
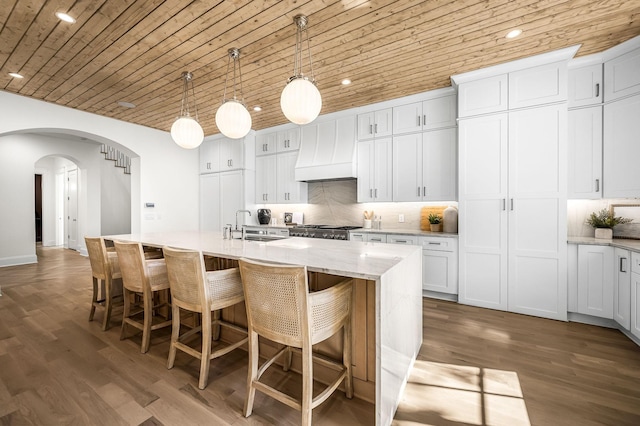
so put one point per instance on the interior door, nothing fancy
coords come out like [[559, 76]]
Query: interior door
[[72, 209], [60, 202]]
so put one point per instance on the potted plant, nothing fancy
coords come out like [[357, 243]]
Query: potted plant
[[604, 221], [435, 222]]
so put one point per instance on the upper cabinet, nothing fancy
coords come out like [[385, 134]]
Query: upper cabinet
[[426, 115], [585, 148], [622, 76], [374, 170], [539, 85], [279, 141], [376, 124], [585, 86], [224, 154], [266, 143], [483, 96]]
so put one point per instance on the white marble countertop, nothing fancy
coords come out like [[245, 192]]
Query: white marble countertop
[[403, 231], [345, 258], [626, 244]]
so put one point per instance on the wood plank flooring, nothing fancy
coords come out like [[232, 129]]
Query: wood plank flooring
[[476, 367]]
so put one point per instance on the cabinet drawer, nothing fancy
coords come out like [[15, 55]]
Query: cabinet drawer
[[635, 262], [402, 239], [377, 238], [438, 244]]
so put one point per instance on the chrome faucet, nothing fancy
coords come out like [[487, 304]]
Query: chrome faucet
[[236, 230]]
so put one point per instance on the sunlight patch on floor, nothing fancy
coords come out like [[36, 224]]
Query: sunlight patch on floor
[[447, 394]]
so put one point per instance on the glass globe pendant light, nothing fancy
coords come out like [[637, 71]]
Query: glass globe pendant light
[[186, 131], [300, 100], [232, 118]]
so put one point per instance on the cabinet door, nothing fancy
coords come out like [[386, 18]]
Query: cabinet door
[[538, 85], [407, 118], [407, 167], [231, 198], [538, 212], [288, 140], [266, 143], [356, 236], [585, 85], [439, 165], [622, 288], [585, 153], [366, 156], [383, 178], [595, 280], [231, 154], [382, 125], [622, 76], [483, 96], [482, 220], [621, 148], [266, 179], [376, 238], [210, 219], [365, 126], [438, 272], [439, 112], [288, 190], [635, 304], [209, 156]]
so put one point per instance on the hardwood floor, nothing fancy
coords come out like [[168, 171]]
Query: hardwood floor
[[476, 367]]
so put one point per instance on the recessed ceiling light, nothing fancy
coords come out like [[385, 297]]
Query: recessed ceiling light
[[257, 108], [514, 33], [15, 75], [346, 82], [126, 104], [65, 17]]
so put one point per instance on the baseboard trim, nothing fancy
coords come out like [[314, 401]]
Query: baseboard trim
[[18, 260]]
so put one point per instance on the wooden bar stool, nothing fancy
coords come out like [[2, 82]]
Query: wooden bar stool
[[280, 308], [196, 290], [142, 277], [107, 279]]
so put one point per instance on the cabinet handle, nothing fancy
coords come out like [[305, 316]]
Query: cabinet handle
[[402, 241], [375, 193], [418, 191], [418, 117], [375, 127], [623, 264], [424, 191], [597, 185], [370, 128], [434, 244], [597, 89], [424, 120], [512, 204], [504, 204], [370, 193]]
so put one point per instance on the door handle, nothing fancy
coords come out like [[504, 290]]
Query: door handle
[[597, 185]]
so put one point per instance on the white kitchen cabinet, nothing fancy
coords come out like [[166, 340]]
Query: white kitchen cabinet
[[376, 124], [439, 264], [288, 191], [266, 179], [595, 280], [622, 76], [356, 236], [221, 154], [538, 85], [622, 288], [426, 115], [512, 176], [221, 195], [424, 166], [374, 170], [288, 140], [621, 174], [266, 143], [487, 95], [585, 86], [585, 153], [635, 294], [411, 240]]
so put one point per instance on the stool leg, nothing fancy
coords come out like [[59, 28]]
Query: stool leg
[[252, 374], [216, 327], [147, 300], [346, 358], [205, 356], [175, 335], [107, 303], [286, 364], [307, 385], [126, 294], [94, 298]]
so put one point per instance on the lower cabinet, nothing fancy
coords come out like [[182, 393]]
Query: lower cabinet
[[439, 264], [635, 294], [595, 280], [622, 288]]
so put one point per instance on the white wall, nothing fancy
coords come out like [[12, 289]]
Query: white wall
[[115, 200], [162, 172]]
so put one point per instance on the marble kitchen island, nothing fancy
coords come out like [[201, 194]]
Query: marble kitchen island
[[387, 317]]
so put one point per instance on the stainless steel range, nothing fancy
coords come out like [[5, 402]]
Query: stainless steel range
[[322, 231]]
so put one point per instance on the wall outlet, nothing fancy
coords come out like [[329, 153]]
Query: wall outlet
[[401, 218]]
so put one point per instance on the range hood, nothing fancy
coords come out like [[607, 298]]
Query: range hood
[[327, 151]]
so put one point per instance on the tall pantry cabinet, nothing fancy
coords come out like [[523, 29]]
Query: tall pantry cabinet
[[512, 199]]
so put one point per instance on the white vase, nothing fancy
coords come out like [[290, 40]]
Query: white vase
[[604, 233]]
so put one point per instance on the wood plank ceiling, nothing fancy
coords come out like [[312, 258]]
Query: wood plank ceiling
[[135, 51]]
